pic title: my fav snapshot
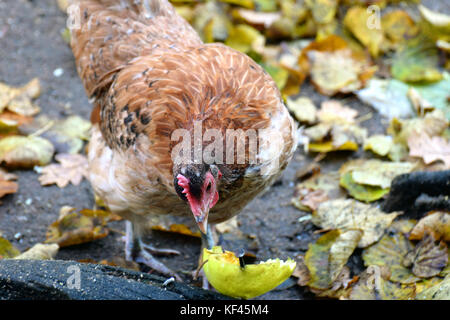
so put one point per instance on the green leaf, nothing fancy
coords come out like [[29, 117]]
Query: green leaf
[[417, 61]]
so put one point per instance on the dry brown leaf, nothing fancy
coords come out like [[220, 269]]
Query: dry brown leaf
[[437, 223], [72, 168], [6, 185], [301, 272], [333, 66], [19, 100], [430, 149], [308, 199], [428, 257], [73, 227]]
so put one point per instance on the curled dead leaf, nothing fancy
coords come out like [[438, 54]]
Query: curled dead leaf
[[428, 257], [71, 168]]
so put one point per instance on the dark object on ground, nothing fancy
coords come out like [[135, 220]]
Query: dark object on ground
[[419, 192], [57, 279]]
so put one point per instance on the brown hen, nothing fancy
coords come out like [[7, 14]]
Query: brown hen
[[180, 127]]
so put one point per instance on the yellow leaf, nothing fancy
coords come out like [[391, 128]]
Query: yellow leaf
[[7, 250], [303, 109], [348, 214], [356, 20], [25, 152], [73, 228]]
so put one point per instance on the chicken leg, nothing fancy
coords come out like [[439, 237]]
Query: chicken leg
[[207, 242], [138, 251]]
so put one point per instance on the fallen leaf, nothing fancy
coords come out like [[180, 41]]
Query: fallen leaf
[[334, 67], [318, 132], [178, 228], [343, 136], [428, 258], [326, 258], [327, 182], [430, 149], [67, 135], [308, 199], [39, 251], [426, 284], [6, 185], [211, 21], [323, 11], [19, 100], [436, 222], [397, 27], [436, 25], [361, 192], [7, 250], [120, 262], [334, 111], [175, 224], [374, 285], [374, 172], [417, 60], [379, 144], [74, 228], [303, 109], [421, 105], [245, 38], [433, 124], [340, 288], [440, 291], [257, 18], [388, 97], [10, 122], [278, 74], [333, 72], [25, 152], [71, 169], [301, 272], [403, 226], [348, 214], [390, 252], [357, 21]]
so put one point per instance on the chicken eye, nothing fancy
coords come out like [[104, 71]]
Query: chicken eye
[[208, 187]]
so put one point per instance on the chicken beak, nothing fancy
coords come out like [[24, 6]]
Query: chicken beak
[[202, 220]]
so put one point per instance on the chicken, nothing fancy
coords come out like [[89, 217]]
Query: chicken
[[156, 87]]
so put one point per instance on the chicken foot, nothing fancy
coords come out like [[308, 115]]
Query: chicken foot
[[136, 250]]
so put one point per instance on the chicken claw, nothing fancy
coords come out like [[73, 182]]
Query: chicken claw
[[136, 250]]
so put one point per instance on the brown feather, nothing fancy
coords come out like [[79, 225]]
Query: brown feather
[[150, 75]]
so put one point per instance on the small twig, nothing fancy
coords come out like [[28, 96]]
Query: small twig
[[198, 269], [365, 117], [43, 129]]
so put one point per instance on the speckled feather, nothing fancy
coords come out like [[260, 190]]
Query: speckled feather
[[149, 74]]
